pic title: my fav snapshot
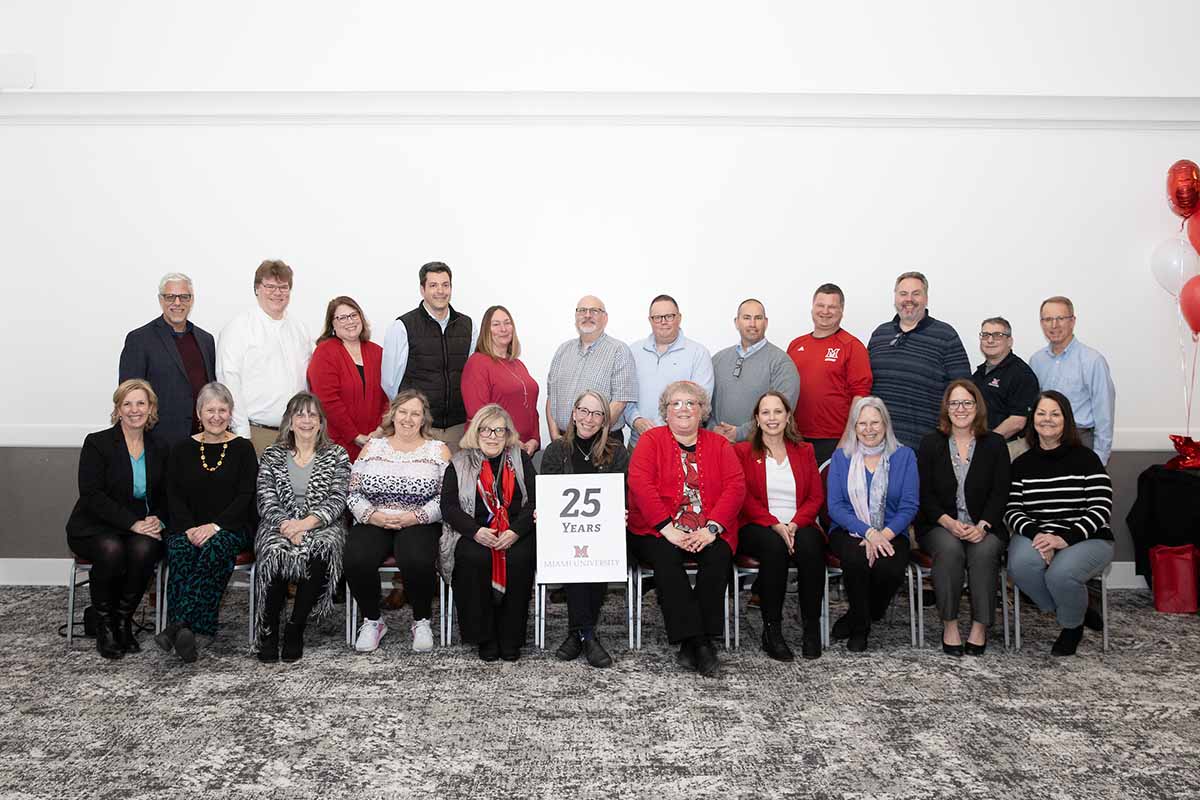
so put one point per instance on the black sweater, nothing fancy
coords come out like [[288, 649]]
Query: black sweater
[[986, 489], [225, 497], [520, 510], [1064, 491]]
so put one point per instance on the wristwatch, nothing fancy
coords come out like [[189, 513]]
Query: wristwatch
[[714, 529]]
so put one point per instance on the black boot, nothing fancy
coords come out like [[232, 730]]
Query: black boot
[[268, 641], [185, 645], [126, 608], [597, 656], [773, 643], [166, 637], [810, 644], [707, 663], [107, 642], [1067, 642], [293, 642]]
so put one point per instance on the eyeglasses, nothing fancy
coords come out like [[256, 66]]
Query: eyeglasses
[[737, 367], [658, 319], [679, 405], [494, 433], [171, 298], [985, 336], [589, 413], [583, 311], [351, 317], [1056, 320], [277, 288], [961, 404]]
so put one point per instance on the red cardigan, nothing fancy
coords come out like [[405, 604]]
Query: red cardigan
[[350, 408], [810, 493], [656, 482]]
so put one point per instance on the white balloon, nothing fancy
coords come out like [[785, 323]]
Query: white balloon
[[1173, 263]]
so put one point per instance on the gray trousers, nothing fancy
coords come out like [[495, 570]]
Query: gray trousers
[[981, 562], [1060, 587]]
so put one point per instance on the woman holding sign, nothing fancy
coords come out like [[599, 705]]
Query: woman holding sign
[[487, 543], [686, 488], [585, 449]]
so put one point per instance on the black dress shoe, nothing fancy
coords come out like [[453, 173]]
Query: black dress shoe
[[510, 653], [1067, 642], [686, 657], [707, 663], [185, 645], [1092, 620], [293, 643], [841, 628], [126, 608], [857, 643], [972, 649], [268, 644], [489, 651], [570, 648], [955, 650], [810, 646], [773, 643], [597, 656], [166, 637]]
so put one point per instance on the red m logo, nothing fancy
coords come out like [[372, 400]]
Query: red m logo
[[581, 551]]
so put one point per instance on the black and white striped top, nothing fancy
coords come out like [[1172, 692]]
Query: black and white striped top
[[1064, 491]]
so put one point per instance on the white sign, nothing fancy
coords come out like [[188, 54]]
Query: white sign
[[581, 528]]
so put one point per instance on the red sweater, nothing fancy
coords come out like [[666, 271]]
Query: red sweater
[[351, 408], [833, 371], [656, 482], [506, 383], [810, 493]]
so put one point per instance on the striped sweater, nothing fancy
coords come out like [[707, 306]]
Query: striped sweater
[[1064, 491]]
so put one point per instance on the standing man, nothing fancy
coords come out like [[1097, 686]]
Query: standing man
[[834, 370], [594, 360], [175, 356], [427, 348], [742, 373], [1069, 366], [663, 357], [262, 357], [913, 357], [1007, 384]]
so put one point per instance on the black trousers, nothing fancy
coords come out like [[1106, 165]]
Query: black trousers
[[122, 564], [480, 617], [951, 558], [307, 592], [869, 589], [583, 604], [687, 611], [823, 449], [769, 548], [416, 552]]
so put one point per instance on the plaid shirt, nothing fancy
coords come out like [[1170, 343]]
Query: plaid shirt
[[606, 367]]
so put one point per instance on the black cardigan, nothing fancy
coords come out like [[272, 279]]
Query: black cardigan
[[106, 500], [987, 485]]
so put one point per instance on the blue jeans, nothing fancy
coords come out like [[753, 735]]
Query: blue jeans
[[1060, 586]]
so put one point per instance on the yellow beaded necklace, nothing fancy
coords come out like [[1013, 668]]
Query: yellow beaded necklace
[[220, 459]]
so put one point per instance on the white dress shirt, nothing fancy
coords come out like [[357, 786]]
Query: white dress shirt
[[262, 361]]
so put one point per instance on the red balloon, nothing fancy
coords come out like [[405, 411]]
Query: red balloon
[[1189, 303], [1183, 187], [1193, 230]]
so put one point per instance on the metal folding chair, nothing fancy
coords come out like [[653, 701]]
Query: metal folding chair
[[79, 565]]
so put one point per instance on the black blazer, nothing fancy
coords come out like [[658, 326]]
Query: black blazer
[[106, 484], [987, 485], [150, 354]]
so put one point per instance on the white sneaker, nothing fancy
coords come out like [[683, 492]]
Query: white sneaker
[[422, 636], [370, 634]]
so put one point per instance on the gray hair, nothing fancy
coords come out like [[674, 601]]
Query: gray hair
[[303, 401], [174, 276], [916, 276], [214, 391], [1001, 321], [850, 436], [687, 387]]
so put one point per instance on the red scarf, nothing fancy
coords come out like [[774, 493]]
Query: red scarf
[[497, 493]]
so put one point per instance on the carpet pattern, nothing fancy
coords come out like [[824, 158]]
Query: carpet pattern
[[893, 723]]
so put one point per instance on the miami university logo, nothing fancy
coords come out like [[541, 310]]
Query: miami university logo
[[831, 354], [581, 551], [994, 383]]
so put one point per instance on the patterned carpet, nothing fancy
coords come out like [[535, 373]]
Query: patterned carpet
[[894, 723]]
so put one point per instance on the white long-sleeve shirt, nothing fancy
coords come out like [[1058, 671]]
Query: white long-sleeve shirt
[[262, 361]]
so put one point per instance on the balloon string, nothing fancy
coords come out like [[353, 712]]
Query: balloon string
[[1195, 350], [1187, 387]]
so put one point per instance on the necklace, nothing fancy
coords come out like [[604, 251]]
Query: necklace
[[220, 459], [517, 378], [587, 456]]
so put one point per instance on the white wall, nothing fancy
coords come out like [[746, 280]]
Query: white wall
[[535, 200]]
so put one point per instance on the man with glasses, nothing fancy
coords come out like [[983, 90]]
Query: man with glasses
[[743, 372], [175, 356], [427, 348], [834, 371], [262, 357], [1007, 384], [594, 360], [663, 357], [1069, 366], [913, 358]]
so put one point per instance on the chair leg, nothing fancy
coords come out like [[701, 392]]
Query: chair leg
[[1004, 602], [629, 606], [737, 611], [919, 593], [1016, 618], [1104, 606], [539, 610], [160, 589], [253, 603], [638, 622], [450, 614], [728, 591], [913, 574], [825, 613], [71, 604]]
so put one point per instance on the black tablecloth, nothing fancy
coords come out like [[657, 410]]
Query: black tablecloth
[[1167, 511]]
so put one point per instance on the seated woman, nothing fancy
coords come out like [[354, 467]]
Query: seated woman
[[495, 374], [302, 484], [1058, 511], [487, 544], [872, 498], [585, 448], [210, 498], [964, 472], [686, 489], [779, 522], [117, 522], [395, 497]]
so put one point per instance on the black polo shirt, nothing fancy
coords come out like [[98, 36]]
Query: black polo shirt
[[1009, 389]]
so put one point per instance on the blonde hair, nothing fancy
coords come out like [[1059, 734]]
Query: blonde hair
[[133, 384], [686, 387], [388, 424], [488, 413]]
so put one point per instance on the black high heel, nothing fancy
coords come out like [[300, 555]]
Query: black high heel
[[973, 649], [955, 650]]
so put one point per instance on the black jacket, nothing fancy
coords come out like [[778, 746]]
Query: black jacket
[[435, 362], [150, 353], [106, 498], [987, 485]]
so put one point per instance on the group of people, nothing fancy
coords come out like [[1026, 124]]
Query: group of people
[[326, 462]]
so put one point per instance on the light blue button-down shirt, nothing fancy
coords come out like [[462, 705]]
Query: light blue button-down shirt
[[684, 360], [1082, 375]]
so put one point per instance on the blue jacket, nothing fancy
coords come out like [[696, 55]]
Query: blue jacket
[[903, 494]]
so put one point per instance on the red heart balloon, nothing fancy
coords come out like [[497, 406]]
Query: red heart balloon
[[1189, 303], [1183, 187]]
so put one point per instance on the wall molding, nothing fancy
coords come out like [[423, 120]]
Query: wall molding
[[607, 108]]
